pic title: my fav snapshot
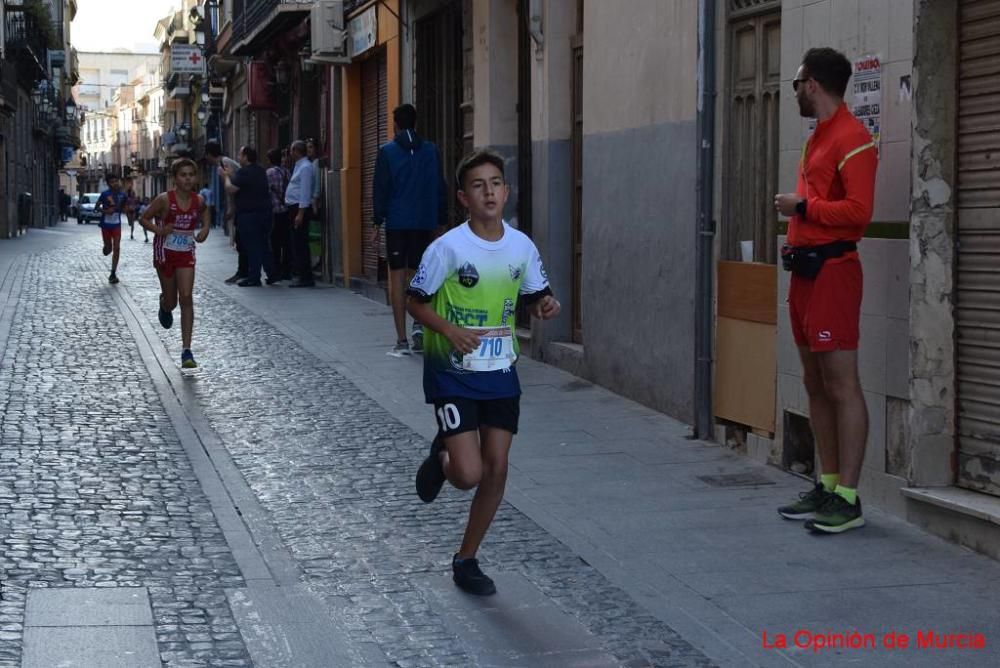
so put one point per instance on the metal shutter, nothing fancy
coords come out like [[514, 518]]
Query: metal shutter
[[978, 293], [374, 132]]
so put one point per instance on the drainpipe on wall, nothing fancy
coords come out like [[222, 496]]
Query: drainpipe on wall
[[705, 258]]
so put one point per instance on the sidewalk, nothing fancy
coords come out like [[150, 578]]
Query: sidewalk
[[686, 528]]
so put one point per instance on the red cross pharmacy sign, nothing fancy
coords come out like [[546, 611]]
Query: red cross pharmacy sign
[[187, 59]]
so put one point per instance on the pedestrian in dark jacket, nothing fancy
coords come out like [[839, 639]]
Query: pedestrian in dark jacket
[[249, 189], [410, 199]]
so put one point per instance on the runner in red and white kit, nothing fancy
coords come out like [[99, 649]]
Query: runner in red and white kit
[[180, 211]]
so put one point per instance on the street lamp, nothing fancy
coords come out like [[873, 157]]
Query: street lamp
[[71, 110], [281, 73]]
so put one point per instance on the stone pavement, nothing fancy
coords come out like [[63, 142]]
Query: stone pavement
[[272, 495]]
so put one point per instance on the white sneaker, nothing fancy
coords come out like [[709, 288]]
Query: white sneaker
[[400, 349]]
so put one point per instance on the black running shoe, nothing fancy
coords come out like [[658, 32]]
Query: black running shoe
[[430, 475], [837, 516], [808, 504], [166, 317], [113, 278], [470, 579]]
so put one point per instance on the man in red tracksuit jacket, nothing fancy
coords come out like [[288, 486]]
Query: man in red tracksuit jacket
[[829, 210]]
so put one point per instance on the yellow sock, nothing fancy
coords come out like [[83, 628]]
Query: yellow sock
[[849, 494], [829, 481]]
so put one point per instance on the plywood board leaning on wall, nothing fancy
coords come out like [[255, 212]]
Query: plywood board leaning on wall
[[745, 344]]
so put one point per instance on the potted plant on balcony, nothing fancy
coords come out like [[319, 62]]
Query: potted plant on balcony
[[39, 11]]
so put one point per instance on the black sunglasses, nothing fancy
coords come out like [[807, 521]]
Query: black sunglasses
[[796, 82]]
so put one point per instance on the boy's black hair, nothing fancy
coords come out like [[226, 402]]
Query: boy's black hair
[[483, 156], [251, 153], [829, 68], [274, 156], [405, 116], [213, 148]]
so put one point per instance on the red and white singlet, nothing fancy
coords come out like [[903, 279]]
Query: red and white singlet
[[186, 223]]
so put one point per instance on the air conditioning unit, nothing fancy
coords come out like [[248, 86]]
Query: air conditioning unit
[[329, 39]]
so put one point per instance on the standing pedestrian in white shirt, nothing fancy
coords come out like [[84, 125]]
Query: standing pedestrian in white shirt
[[298, 199]]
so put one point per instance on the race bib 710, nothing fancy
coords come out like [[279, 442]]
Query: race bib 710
[[495, 351]]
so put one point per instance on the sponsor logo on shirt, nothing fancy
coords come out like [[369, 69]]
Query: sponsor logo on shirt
[[824, 335], [420, 276], [467, 275], [508, 310], [515, 272]]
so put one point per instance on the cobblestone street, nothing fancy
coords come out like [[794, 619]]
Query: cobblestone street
[[96, 490], [742, 255], [262, 511]]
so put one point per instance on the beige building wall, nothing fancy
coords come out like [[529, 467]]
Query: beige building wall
[[640, 64], [859, 27], [639, 200], [102, 72], [551, 64], [495, 73]]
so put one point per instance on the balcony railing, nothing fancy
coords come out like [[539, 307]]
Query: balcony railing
[[48, 114], [254, 13], [26, 41], [69, 133], [257, 16]]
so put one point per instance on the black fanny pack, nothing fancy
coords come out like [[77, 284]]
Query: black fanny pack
[[806, 261]]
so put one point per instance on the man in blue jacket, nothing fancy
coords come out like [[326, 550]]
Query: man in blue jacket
[[410, 198]]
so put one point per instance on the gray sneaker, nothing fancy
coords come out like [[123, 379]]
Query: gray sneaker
[[418, 338], [400, 349]]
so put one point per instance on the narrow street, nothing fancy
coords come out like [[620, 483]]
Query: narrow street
[[262, 512]]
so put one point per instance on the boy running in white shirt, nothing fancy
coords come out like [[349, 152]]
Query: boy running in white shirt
[[465, 293]]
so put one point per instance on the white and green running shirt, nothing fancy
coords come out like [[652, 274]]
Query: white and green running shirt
[[475, 283]]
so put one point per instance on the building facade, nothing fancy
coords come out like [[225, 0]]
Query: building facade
[[106, 79], [36, 70], [612, 181], [267, 91], [631, 136], [925, 83]]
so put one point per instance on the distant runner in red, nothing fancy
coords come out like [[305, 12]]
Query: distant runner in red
[[829, 211], [185, 220]]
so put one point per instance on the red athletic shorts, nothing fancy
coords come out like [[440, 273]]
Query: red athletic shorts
[[111, 233], [174, 260], [826, 311]]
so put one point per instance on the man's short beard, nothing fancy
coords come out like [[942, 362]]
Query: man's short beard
[[806, 109]]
